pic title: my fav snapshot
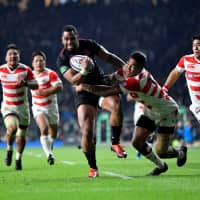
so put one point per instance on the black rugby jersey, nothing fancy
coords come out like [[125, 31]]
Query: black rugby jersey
[[86, 47]]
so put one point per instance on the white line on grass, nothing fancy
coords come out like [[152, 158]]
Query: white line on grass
[[68, 162], [117, 175], [33, 154], [75, 163]]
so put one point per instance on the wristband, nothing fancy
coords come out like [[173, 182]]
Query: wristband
[[84, 72], [165, 88]]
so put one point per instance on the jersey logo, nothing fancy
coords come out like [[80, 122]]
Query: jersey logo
[[63, 69]]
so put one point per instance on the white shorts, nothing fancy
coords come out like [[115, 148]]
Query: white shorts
[[195, 109], [162, 119], [21, 111], [50, 112], [138, 111]]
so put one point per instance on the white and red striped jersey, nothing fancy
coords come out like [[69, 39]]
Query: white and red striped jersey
[[145, 89], [45, 80], [14, 94], [191, 66]]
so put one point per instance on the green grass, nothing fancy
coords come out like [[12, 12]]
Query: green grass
[[69, 180]]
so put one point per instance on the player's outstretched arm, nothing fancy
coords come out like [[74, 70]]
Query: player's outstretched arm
[[100, 90], [172, 78], [110, 58], [51, 90]]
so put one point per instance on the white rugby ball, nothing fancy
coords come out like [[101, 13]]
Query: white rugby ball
[[76, 60]]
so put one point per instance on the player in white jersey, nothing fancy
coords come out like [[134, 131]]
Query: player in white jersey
[[44, 100], [190, 64], [15, 78], [160, 111]]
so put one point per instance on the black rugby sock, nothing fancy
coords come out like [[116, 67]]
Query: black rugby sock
[[116, 132], [91, 158]]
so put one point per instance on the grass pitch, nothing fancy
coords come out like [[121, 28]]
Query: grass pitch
[[119, 178]]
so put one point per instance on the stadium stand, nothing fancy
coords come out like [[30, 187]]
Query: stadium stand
[[161, 28]]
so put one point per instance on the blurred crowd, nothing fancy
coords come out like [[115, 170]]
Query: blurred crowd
[[161, 28]]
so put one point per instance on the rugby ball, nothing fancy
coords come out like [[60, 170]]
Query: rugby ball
[[76, 60]]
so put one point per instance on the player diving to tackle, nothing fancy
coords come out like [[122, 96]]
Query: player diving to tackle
[[160, 111]]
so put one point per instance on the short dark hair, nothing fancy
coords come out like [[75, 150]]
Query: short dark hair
[[12, 46], [38, 53], [70, 28], [196, 37], [140, 57]]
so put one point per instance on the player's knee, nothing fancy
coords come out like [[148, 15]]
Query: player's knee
[[161, 150], [21, 132], [114, 105], [136, 144], [143, 148], [11, 124]]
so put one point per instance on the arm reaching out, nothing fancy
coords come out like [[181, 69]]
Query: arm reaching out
[[100, 90], [172, 78]]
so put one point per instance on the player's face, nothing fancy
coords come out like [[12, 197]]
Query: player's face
[[70, 40], [196, 48], [38, 63], [130, 67], [12, 57]]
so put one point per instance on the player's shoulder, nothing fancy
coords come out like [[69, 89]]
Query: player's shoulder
[[86, 40], [62, 54], [86, 43], [3, 65], [187, 59], [187, 56], [23, 66], [50, 71]]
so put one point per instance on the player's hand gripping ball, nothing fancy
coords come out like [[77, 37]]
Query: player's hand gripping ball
[[78, 62]]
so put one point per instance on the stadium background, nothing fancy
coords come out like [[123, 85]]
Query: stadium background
[[161, 28]]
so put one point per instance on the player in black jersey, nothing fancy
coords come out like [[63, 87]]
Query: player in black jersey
[[87, 103]]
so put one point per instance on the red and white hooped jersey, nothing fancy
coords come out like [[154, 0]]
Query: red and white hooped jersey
[[191, 66], [145, 89], [45, 80], [13, 94]]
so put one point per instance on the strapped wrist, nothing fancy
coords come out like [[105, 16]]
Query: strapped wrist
[[166, 86], [84, 72]]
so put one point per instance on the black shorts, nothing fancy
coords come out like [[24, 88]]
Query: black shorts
[[150, 125], [86, 98]]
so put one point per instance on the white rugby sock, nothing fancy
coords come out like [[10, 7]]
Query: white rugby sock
[[46, 145], [18, 156], [9, 147], [155, 159], [51, 140]]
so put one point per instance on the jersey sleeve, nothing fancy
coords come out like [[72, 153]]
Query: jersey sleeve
[[30, 76], [62, 63], [180, 66], [54, 78], [119, 74], [94, 46]]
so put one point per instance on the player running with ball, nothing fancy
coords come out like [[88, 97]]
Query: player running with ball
[[87, 103]]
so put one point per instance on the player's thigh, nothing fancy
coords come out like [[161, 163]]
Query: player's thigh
[[11, 121], [110, 103], [42, 121], [162, 142], [86, 115]]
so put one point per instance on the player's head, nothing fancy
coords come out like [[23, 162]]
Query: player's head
[[70, 38], [136, 62], [38, 61], [12, 55], [196, 46]]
